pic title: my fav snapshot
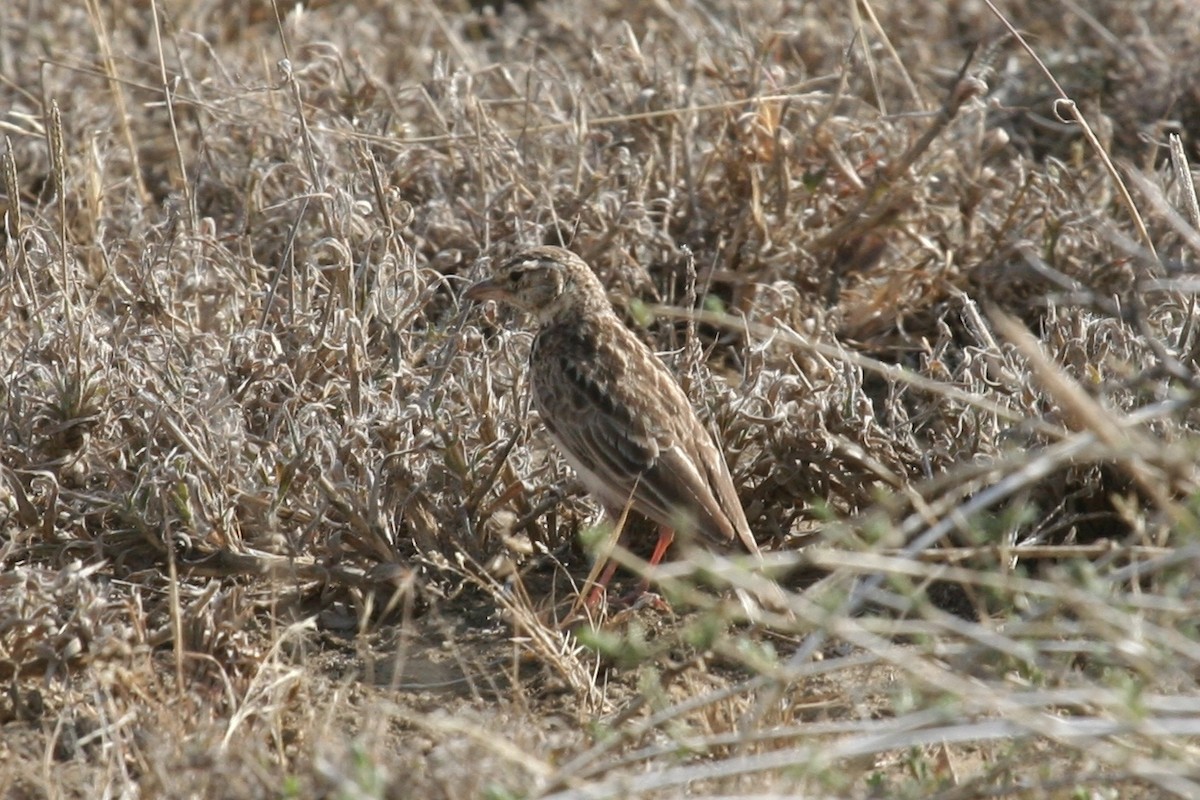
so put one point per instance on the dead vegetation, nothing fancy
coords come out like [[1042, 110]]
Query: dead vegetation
[[277, 519]]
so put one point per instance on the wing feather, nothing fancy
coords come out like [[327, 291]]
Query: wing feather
[[628, 429]]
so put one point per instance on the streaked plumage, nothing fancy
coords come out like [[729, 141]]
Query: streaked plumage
[[616, 413]]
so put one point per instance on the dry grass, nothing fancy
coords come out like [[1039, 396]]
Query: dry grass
[[277, 519]]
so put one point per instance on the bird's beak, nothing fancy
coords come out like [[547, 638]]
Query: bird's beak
[[485, 290]]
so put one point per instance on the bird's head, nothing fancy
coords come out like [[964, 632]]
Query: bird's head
[[550, 283]]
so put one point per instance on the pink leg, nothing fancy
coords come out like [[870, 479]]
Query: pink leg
[[665, 537], [601, 585]]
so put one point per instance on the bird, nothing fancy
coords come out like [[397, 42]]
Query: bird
[[613, 409]]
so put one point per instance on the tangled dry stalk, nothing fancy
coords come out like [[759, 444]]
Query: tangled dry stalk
[[277, 518]]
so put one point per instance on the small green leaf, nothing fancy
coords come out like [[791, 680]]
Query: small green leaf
[[640, 313]]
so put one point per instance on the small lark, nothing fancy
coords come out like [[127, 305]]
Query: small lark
[[616, 413]]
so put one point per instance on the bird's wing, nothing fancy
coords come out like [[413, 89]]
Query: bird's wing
[[601, 422], [599, 435]]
